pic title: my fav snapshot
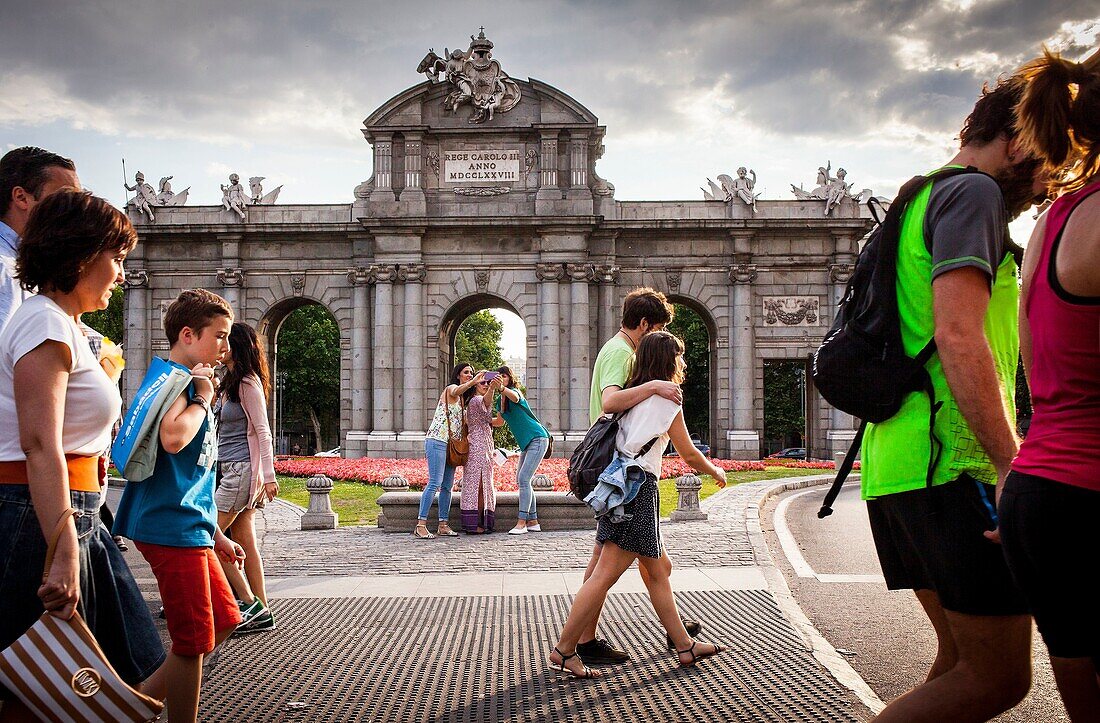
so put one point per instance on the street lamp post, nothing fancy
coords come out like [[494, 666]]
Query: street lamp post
[[280, 390]]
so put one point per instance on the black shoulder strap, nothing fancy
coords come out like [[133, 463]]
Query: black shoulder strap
[[842, 473]]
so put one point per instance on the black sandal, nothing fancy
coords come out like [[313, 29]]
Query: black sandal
[[588, 672], [695, 658]]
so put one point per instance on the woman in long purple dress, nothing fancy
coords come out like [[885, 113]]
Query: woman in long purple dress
[[479, 500]]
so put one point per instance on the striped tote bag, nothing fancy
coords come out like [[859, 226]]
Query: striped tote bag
[[59, 671]]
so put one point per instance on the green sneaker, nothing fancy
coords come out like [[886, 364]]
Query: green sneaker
[[251, 610], [258, 623]]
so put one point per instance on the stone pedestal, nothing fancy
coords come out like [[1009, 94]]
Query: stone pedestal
[[743, 444], [320, 515], [687, 507], [840, 440], [557, 511]]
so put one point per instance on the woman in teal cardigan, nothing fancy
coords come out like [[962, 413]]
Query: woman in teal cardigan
[[534, 443]]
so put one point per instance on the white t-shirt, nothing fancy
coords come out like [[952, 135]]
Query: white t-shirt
[[646, 420], [92, 401]]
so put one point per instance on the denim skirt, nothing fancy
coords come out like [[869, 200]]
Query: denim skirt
[[110, 601]]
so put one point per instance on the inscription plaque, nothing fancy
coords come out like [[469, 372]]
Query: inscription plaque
[[481, 166]]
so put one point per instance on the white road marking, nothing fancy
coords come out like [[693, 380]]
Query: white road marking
[[794, 554]]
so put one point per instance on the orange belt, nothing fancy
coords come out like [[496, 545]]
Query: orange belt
[[84, 473]]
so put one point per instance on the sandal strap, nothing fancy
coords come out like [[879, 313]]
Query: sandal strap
[[565, 657], [690, 651]]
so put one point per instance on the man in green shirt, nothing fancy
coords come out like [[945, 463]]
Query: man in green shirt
[[957, 283], [644, 310]]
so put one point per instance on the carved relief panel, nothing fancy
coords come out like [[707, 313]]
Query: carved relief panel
[[791, 310]]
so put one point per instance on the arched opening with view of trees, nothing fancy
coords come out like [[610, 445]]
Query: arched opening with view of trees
[[785, 404], [303, 346], [692, 325], [475, 333]]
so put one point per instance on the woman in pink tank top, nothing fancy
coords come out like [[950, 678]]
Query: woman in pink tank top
[[1050, 502]]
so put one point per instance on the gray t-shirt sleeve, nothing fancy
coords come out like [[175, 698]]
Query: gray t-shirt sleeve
[[965, 224]]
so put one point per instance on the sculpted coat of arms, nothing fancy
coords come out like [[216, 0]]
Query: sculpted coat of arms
[[476, 78]]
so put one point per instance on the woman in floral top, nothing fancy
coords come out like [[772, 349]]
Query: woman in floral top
[[479, 500], [447, 421]]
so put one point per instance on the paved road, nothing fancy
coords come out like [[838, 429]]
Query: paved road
[[847, 601]]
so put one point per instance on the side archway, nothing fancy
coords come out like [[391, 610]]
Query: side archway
[[699, 332], [302, 338]]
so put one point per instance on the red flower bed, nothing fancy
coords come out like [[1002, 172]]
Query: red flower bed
[[373, 470]]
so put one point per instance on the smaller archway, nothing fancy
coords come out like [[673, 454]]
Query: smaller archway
[[695, 327], [787, 405], [302, 340]]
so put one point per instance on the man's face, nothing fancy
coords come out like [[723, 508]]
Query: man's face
[[210, 344], [1023, 184], [648, 328], [56, 179]]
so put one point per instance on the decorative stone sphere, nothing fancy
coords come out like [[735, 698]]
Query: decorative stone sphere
[[689, 482], [319, 483], [395, 482], [541, 482]]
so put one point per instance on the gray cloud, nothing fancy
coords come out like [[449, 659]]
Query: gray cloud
[[310, 72]]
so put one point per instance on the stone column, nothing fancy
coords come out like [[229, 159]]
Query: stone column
[[137, 317], [413, 422], [578, 162], [609, 315], [580, 329], [360, 279], [383, 169], [549, 334], [841, 430], [382, 434], [742, 438], [230, 274]]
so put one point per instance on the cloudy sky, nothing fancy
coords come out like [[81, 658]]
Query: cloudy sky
[[686, 89]]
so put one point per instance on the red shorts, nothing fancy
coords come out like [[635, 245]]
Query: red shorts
[[197, 598]]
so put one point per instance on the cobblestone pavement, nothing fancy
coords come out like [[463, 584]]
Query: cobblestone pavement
[[721, 541]]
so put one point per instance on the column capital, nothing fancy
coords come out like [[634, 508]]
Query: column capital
[[410, 273], [840, 273], [383, 273], [580, 272], [742, 273], [606, 274], [360, 276], [545, 271], [231, 277], [136, 279]]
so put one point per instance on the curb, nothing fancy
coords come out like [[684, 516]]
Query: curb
[[821, 648]]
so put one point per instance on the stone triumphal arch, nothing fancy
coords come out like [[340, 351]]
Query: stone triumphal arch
[[485, 193]]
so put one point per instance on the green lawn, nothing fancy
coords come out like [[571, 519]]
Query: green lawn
[[354, 502], [357, 503]]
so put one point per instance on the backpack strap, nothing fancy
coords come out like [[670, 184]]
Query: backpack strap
[[842, 473]]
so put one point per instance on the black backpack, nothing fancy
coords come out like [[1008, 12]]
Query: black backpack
[[594, 453], [861, 367]]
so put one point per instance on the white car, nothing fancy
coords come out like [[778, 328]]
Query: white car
[[335, 452]]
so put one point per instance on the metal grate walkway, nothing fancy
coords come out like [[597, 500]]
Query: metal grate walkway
[[483, 660]]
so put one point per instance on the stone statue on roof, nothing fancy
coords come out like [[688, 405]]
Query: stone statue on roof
[[258, 195], [167, 197], [233, 198], [832, 190], [476, 79], [144, 197]]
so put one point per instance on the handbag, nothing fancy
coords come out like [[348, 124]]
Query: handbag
[[458, 450], [59, 671]]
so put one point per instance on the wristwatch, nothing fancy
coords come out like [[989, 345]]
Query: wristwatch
[[201, 401]]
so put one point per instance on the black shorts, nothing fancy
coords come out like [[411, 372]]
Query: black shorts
[[1048, 533], [931, 539]]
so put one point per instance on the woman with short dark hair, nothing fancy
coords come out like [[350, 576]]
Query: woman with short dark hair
[[59, 407], [446, 424]]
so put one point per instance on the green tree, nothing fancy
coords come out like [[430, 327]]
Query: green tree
[[309, 355], [108, 322], [478, 341], [784, 417], [692, 330]]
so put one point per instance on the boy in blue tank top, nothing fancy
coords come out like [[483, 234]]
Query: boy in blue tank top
[[170, 515]]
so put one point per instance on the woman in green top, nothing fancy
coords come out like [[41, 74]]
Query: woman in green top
[[533, 440]]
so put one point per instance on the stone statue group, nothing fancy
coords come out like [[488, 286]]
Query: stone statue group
[[234, 197], [833, 190]]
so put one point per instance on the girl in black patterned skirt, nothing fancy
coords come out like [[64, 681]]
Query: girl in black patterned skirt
[[637, 534]]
